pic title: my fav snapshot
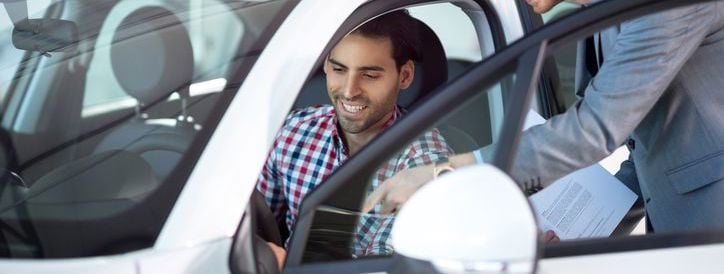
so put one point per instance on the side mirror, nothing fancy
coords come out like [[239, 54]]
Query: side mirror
[[46, 35], [473, 220]]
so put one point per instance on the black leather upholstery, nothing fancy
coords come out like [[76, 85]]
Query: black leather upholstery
[[473, 118], [431, 71]]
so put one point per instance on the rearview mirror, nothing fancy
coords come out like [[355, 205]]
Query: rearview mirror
[[473, 220], [46, 35]]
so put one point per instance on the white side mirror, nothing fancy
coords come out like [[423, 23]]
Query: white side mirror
[[473, 220]]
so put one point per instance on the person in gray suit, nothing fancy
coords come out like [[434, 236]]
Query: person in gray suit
[[661, 84]]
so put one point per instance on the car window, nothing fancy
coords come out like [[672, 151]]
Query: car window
[[341, 230], [10, 56], [577, 63], [334, 221], [454, 29], [335, 239], [573, 77], [215, 33], [97, 142], [565, 75], [558, 87]]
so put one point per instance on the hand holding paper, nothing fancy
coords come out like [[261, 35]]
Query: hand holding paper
[[587, 203]]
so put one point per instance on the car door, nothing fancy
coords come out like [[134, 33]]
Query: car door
[[491, 34], [515, 71], [483, 34]]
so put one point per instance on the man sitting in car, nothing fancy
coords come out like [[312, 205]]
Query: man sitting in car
[[365, 73]]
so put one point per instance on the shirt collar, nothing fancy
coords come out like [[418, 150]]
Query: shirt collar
[[396, 115], [339, 143]]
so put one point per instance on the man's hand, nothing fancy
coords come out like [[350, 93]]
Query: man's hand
[[550, 237], [543, 6], [279, 252], [395, 191]]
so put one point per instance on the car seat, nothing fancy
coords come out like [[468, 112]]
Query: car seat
[[152, 58], [473, 118], [118, 188]]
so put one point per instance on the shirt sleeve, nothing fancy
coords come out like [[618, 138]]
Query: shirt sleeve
[[271, 186], [428, 149], [648, 53], [373, 231], [478, 154]]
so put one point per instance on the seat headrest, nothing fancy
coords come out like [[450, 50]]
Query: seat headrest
[[151, 54], [430, 72]]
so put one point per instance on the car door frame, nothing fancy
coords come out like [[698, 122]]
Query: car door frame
[[363, 13], [571, 28]]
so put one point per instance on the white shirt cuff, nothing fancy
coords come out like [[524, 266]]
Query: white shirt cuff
[[478, 156]]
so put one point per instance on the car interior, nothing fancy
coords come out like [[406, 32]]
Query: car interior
[[84, 183], [133, 157]]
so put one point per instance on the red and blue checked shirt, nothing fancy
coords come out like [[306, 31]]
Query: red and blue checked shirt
[[306, 151]]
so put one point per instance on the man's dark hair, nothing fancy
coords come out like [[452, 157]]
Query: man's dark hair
[[401, 29]]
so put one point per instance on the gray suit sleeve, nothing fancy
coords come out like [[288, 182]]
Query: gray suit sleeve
[[648, 53]]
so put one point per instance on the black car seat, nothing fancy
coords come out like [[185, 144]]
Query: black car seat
[[473, 117], [430, 73], [152, 58]]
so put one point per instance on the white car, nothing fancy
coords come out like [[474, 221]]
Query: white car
[[133, 131]]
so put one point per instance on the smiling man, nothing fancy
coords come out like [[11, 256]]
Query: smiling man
[[365, 73], [363, 81]]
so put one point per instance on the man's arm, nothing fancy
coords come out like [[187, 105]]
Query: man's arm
[[374, 229], [648, 54], [412, 173], [270, 186], [427, 149]]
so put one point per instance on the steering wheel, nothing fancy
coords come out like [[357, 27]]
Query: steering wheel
[[265, 230], [265, 224]]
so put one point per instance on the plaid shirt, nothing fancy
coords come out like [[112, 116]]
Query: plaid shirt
[[309, 148]]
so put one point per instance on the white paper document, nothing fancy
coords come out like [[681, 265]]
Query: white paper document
[[584, 204]]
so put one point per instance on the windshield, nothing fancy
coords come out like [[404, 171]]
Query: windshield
[[102, 103]]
